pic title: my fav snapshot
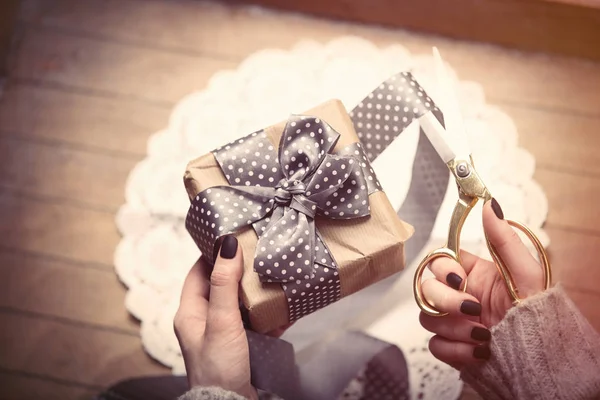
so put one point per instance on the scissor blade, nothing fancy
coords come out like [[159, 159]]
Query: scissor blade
[[436, 134], [455, 135]]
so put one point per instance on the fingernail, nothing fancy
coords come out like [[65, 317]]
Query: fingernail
[[482, 352], [229, 247], [481, 334], [470, 308], [454, 280], [497, 209]]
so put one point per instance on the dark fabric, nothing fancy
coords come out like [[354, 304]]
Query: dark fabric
[[329, 369], [314, 379], [166, 387]]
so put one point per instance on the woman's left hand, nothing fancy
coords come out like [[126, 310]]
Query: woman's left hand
[[209, 326]]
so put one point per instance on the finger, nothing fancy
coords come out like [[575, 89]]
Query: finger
[[448, 300], [470, 261], [223, 304], [456, 329], [190, 318], [448, 271], [195, 288], [521, 263], [457, 353]]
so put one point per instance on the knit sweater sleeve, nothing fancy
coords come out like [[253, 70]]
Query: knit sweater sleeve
[[210, 393], [544, 348], [217, 393]]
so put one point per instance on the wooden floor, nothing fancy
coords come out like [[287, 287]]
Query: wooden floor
[[91, 80]]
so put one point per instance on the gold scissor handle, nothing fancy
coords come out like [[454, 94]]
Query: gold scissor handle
[[505, 272], [512, 289], [424, 305]]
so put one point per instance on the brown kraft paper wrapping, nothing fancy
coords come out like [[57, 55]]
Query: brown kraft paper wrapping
[[366, 250]]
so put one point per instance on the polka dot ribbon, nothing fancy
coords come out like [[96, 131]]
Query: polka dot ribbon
[[280, 194], [347, 364], [378, 119], [388, 110]]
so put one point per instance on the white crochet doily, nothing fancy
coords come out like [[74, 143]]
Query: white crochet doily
[[156, 252]]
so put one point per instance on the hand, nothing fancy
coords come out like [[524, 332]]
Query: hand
[[209, 326], [462, 336]]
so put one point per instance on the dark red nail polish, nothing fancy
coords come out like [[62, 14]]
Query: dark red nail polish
[[482, 352], [454, 280], [481, 334], [469, 307], [497, 209], [229, 247]]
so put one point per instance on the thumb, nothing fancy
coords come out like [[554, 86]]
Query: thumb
[[223, 305], [525, 270]]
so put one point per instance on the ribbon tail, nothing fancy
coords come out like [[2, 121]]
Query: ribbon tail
[[425, 195], [273, 366], [328, 368]]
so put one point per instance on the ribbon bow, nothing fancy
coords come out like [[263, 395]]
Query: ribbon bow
[[282, 194]]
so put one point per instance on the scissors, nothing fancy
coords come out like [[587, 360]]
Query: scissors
[[451, 145]]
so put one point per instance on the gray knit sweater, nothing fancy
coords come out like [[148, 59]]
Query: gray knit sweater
[[543, 349]]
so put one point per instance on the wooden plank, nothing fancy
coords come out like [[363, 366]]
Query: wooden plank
[[97, 123], [202, 27], [71, 353], [112, 68], [587, 302], [21, 387], [27, 165], [511, 77], [57, 229], [559, 141], [58, 171], [90, 121], [8, 15], [585, 3], [574, 258], [54, 288], [571, 198], [537, 25], [236, 31], [62, 229]]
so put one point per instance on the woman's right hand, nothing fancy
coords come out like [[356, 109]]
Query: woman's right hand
[[461, 337]]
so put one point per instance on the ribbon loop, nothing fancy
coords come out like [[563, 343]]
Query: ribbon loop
[[339, 188], [304, 144]]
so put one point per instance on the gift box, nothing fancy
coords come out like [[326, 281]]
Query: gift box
[[309, 214]]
